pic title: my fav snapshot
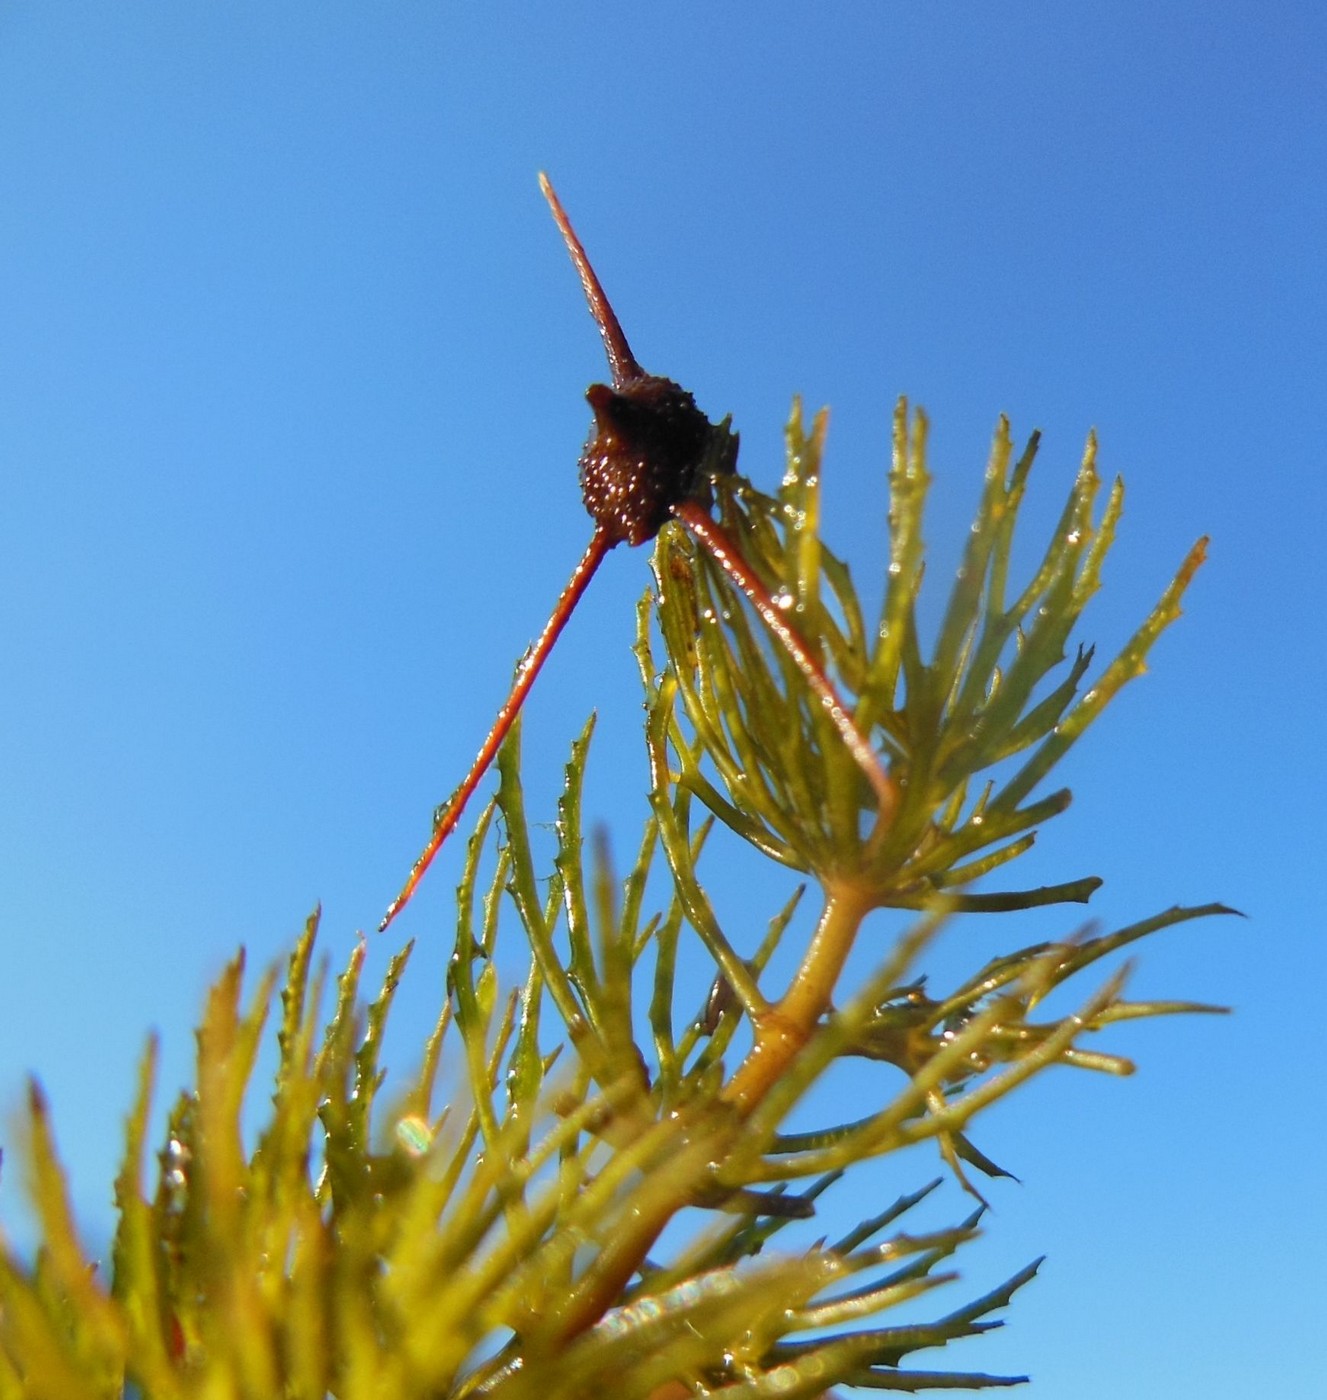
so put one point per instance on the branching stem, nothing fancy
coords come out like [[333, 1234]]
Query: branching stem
[[782, 1031]]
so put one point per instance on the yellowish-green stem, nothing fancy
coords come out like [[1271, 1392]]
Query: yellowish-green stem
[[782, 1030], [780, 1033]]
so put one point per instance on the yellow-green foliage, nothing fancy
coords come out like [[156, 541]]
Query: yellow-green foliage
[[376, 1242]]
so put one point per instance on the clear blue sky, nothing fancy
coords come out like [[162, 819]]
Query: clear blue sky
[[291, 375]]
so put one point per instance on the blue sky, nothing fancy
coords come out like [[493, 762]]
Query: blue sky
[[291, 377]]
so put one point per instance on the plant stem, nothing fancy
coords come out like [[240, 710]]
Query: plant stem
[[782, 1030], [780, 1033], [449, 814], [729, 557]]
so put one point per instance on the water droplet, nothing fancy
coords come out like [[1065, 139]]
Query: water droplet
[[413, 1134]]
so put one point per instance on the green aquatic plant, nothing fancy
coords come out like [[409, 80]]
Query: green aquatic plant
[[589, 1181]]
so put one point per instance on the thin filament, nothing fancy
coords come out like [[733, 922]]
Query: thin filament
[[621, 361], [725, 552], [530, 666]]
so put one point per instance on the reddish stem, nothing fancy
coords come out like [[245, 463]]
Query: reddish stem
[[531, 664], [725, 552], [621, 361]]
